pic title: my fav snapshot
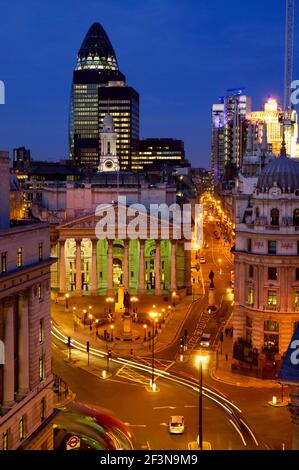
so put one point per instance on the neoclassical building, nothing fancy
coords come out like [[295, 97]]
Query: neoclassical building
[[266, 306]]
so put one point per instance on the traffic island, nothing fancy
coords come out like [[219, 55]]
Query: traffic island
[[194, 446]]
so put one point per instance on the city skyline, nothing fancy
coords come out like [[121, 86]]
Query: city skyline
[[169, 108]]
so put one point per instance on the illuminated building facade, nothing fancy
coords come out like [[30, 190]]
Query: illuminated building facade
[[155, 151], [229, 129], [272, 115], [99, 88]]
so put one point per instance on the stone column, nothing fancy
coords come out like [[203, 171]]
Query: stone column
[[294, 410], [78, 268], [158, 268], [173, 285], [141, 286], [187, 267], [126, 266], [110, 268], [9, 376], [62, 281], [94, 267], [23, 345]]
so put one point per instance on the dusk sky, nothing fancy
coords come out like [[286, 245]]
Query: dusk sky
[[180, 55]]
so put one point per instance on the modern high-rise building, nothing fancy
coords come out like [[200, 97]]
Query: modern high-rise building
[[154, 151], [229, 130], [99, 88], [273, 115]]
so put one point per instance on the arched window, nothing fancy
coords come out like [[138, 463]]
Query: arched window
[[296, 218], [275, 217], [257, 212]]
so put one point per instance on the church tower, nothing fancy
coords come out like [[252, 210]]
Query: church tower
[[108, 158]]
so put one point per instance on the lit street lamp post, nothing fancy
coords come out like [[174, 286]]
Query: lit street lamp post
[[67, 296], [145, 328], [201, 360], [153, 316], [112, 328]]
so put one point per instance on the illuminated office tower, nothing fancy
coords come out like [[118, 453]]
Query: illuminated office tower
[[99, 88], [229, 133], [272, 115], [157, 151]]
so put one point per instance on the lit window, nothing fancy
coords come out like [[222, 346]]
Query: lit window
[[272, 298], [41, 330], [41, 369], [5, 440], [40, 292], [297, 300], [4, 262], [22, 428], [20, 257], [250, 296]]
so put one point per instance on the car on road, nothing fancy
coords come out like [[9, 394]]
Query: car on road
[[202, 259], [205, 340], [177, 425]]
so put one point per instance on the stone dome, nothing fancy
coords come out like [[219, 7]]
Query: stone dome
[[282, 172]]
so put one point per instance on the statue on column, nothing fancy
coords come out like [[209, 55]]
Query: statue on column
[[211, 277]]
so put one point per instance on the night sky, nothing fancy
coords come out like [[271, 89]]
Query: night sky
[[180, 55]]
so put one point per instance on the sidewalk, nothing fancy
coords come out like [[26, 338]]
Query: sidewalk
[[221, 370], [167, 334]]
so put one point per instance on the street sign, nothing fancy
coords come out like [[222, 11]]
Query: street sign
[[73, 443]]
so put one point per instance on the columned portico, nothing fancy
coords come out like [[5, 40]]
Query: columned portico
[[78, 268], [94, 268], [110, 268], [62, 279], [141, 267], [158, 268], [23, 345], [9, 383]]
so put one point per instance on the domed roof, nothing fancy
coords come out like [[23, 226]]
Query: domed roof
[[282, 172], [96, 51], [108, 123]]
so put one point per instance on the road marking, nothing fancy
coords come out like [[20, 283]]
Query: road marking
[[249, 430], [164, 424], [238, 431], [136, 425], [191, 406], [164, 408]]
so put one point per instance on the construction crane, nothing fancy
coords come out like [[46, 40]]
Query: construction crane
[[289, 55]]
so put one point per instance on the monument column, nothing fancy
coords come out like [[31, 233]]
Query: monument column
[[23, 345], [141, 286], [94, 267], [158, 268], [62, 283], [78, 268], [8, 382], [110, 268]]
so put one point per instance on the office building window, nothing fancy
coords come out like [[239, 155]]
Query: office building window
[[4, 262], [272, 247], [297, 300], [41, 369], [40, 251], [5, 440], [272, 274], [40, 291], [22, 428], [41, 330], [20, 257]]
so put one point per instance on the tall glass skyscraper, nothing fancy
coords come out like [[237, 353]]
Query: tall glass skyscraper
[[99, 87]]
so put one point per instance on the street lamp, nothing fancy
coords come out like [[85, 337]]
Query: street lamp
[[111, 328], [220, 261], [67, 296], [153, 317], [200, 360], [173, 298], [109, 301], [145, 328], [134, 301]]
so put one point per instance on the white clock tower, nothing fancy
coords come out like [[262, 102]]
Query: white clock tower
[[108, 159]]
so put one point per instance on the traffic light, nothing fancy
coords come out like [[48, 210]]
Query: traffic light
[[69, 341], [109, 354], [87, 346], [182, 342]]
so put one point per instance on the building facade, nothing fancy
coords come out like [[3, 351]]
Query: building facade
[[26, 396], [266, 306], [154, 152], [99, 88]]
